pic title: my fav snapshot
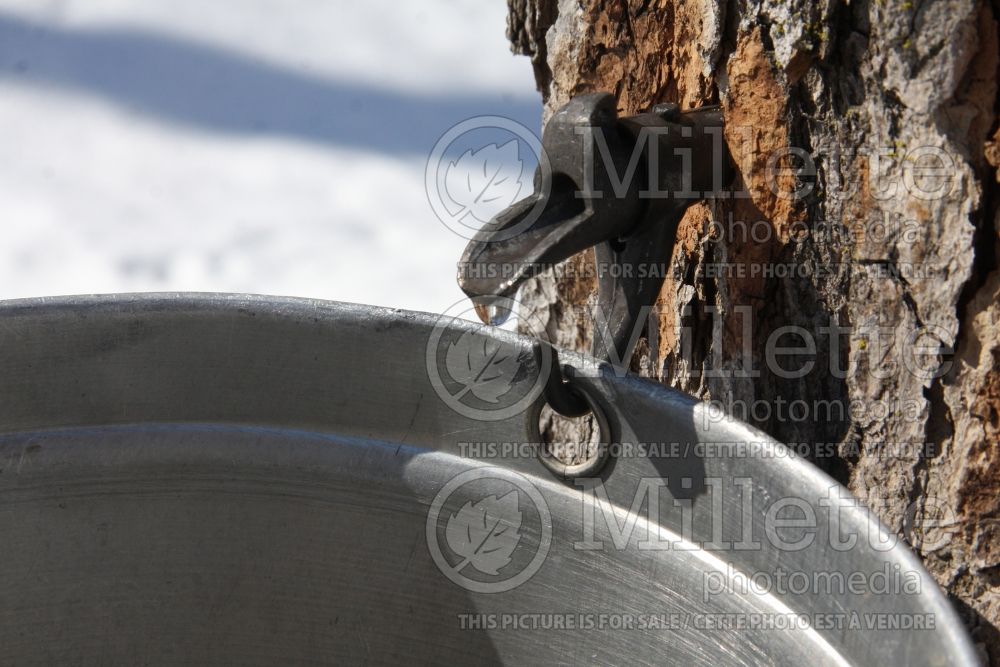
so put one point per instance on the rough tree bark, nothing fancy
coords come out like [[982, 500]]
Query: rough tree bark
[[860, 85]]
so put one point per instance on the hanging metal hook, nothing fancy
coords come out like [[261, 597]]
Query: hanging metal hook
[[566, 398]]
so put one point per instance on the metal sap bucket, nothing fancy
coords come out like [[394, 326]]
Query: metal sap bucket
[[243, 480]]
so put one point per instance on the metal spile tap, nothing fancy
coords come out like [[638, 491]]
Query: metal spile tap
[[618, 184]]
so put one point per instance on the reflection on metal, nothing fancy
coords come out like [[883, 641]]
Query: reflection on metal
[[620, 184], [194, 480]]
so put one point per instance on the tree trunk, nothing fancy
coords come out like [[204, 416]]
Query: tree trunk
[[893, 295]]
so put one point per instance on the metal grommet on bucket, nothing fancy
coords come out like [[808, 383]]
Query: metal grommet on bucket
[[567, 399]]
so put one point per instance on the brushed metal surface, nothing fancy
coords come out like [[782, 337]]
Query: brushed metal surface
[[213, 479]]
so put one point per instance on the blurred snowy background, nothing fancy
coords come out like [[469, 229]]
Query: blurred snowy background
[[267, 146]]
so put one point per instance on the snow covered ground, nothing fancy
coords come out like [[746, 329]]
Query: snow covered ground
[[268, 146]]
